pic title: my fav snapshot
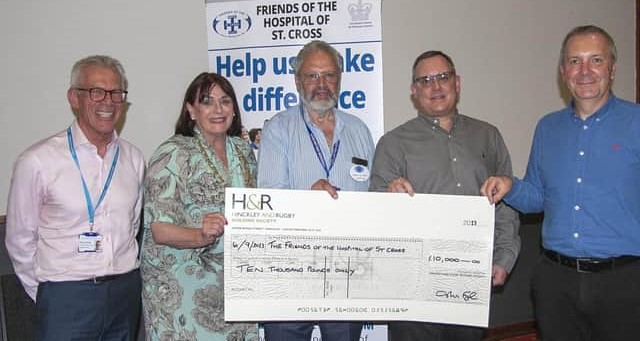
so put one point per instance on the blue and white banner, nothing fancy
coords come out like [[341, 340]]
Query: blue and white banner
[[253, 43]]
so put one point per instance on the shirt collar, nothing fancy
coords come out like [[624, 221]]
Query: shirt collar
[[80, 139], [336, 115], [435, 122], [600, 114]]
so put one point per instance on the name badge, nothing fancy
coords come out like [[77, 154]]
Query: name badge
[[359, 173], [89, 242]]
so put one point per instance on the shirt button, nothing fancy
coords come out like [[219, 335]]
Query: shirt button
[[581, 153], [576, 235], [454, 159], [585, 127], [458, 184], [598, 119], [576, 207], [579, 180]]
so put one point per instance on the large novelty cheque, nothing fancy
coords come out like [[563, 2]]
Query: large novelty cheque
[[302, 255]]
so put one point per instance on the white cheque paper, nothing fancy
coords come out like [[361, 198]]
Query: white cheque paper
[[301, 255]]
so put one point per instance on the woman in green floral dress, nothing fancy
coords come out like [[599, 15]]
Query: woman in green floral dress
[[182, 252]]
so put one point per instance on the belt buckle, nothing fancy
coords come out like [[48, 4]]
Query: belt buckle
[[101, 279], [583, 268]]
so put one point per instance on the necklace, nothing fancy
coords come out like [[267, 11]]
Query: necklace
[[226, 179], [214, 170]]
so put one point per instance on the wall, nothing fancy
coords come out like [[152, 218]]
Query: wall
[[162, 45], [505, 50]]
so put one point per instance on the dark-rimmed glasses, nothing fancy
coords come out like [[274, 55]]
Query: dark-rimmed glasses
[[99, 94], [442, 77]]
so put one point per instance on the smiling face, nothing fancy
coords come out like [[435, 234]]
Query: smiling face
[[438, 98], [318, 81], [213, 114], [97, 120], [588, 69]]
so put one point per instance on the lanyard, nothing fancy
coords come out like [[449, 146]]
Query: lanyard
[[316, 148], [91, 209]]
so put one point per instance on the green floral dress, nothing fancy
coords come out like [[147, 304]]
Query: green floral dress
[[183, 297]]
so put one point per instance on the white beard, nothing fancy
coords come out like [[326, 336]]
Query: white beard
[[322, 108]]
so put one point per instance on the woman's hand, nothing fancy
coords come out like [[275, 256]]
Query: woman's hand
[[212, 227]]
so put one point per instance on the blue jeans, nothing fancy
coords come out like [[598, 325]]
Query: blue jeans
[[330, 331], [84, 310]]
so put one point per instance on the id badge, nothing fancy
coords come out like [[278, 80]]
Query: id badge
[[89, 242], [359, 173]]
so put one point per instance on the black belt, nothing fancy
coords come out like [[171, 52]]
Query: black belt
[[107, 278], [590, 264]]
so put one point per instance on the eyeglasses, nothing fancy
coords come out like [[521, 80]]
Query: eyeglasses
[[99, 94], [442, 77], [314, 77], [224, 101]]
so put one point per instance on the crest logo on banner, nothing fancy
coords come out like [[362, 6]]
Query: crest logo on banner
[[360, 11], [231, 23]]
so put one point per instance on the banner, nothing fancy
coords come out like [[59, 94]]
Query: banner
[[252, 43]]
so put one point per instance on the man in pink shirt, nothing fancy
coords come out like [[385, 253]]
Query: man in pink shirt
[[73, 215]]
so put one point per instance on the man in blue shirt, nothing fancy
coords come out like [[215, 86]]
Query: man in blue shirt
[[315, 146], [584, 174]]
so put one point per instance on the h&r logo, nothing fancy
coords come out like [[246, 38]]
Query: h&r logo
[[252, 201]]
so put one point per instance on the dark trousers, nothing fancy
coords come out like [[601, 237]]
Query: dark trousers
[[330, 331], [84, 310], [572, 305], [408, 331]]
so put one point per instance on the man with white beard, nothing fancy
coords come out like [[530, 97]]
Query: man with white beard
[[315, 146]]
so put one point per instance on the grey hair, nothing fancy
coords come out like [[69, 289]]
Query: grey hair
[[314, 46], [100, 61], [431, 54], [584, 30]]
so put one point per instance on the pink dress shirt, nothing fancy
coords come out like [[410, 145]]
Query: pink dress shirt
[[47, 210]]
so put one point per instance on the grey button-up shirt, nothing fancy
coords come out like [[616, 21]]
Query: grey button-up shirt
[[435, 161]]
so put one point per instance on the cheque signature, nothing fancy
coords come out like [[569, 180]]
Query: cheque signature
[[465, 295]]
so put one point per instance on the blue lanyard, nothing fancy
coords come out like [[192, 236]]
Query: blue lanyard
[[91, 209], [316, 148]]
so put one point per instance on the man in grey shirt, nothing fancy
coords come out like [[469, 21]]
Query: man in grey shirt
[[444, 152]]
